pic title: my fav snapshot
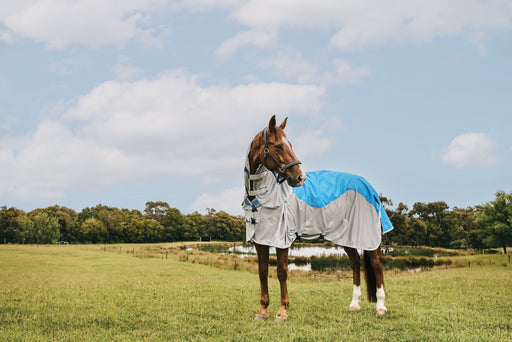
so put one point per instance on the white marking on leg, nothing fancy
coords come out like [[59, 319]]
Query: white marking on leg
[[381, 309], [356, 297]]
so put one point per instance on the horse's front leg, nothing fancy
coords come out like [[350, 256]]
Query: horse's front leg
[[263, 274], [282, 275], [355, 264]]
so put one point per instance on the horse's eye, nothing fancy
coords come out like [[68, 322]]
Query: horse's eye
[[279, 147]]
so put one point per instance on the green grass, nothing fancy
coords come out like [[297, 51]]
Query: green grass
[[84, 293]]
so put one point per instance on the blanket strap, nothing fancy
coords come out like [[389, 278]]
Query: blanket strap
[[251, 179], [256, 192], [258, 175]]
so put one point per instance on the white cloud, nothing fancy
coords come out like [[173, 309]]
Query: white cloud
[[65, 66], [261, 38], [125, 71], [366, 23], [290, 64], [6, 36], [471, 150], [312, 142], [52, 159], [356, 24], [93, 23], [228, 200], [164, 127], [346, 74]]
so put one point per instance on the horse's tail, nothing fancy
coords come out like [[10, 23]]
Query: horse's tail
[[371, 280]]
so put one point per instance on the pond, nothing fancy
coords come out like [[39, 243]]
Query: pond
[[294, 251], [245, 251]]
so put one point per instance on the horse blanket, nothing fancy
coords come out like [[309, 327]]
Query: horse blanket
[[339, 207]]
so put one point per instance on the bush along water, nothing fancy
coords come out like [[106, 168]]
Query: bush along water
[[404, 263], [330, 263], [341, 263]]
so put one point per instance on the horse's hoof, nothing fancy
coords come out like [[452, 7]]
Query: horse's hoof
[[260, 317], [354, 308], [381, 312], [281, 318]]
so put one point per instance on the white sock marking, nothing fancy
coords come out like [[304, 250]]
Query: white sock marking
[[381, 309], [356, 297]]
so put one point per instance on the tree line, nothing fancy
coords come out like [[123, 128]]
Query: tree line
[[102, 224], [434, 224], [425, 224]]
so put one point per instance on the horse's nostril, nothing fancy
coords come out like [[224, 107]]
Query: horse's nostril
[[300, 178]]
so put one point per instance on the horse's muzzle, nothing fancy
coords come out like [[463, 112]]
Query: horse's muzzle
[[296, 181]]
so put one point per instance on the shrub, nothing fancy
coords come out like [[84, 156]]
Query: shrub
[[300, 260], [404, 263], [330, 263]]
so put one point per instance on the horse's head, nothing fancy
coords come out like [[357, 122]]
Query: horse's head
[[272, 149]]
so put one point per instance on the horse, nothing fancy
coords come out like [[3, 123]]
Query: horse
[[277, 213]]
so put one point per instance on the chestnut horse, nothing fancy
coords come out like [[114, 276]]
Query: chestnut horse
[[271, 152]]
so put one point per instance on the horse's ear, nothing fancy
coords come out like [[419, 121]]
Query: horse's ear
[[283, 124], [272, 123]]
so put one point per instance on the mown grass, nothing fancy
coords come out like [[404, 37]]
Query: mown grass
[[87, 293]]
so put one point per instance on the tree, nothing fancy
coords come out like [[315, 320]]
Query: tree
[[400, 221], [496, 219], [24, 232], [66, 218], [434, 215], [8, 223], [200, 223], [152, 230], [462, 223], [94, 231], [157, 210], [174, 225], [46, 227], [227, 227]]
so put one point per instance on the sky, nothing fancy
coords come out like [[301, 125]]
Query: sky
[[121, 102]]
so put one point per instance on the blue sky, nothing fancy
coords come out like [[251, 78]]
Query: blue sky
[[123, 102]]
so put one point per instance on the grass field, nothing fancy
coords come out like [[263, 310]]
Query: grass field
[[86, 293]]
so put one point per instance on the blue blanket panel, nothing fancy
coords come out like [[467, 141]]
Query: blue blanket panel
[[323, 187]]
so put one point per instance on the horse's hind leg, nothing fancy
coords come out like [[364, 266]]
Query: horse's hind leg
[[375, 259], [263, 253], [282, 275], [355, 264]]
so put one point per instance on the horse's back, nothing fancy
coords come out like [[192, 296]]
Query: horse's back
[[323, 187], [342, 207]]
